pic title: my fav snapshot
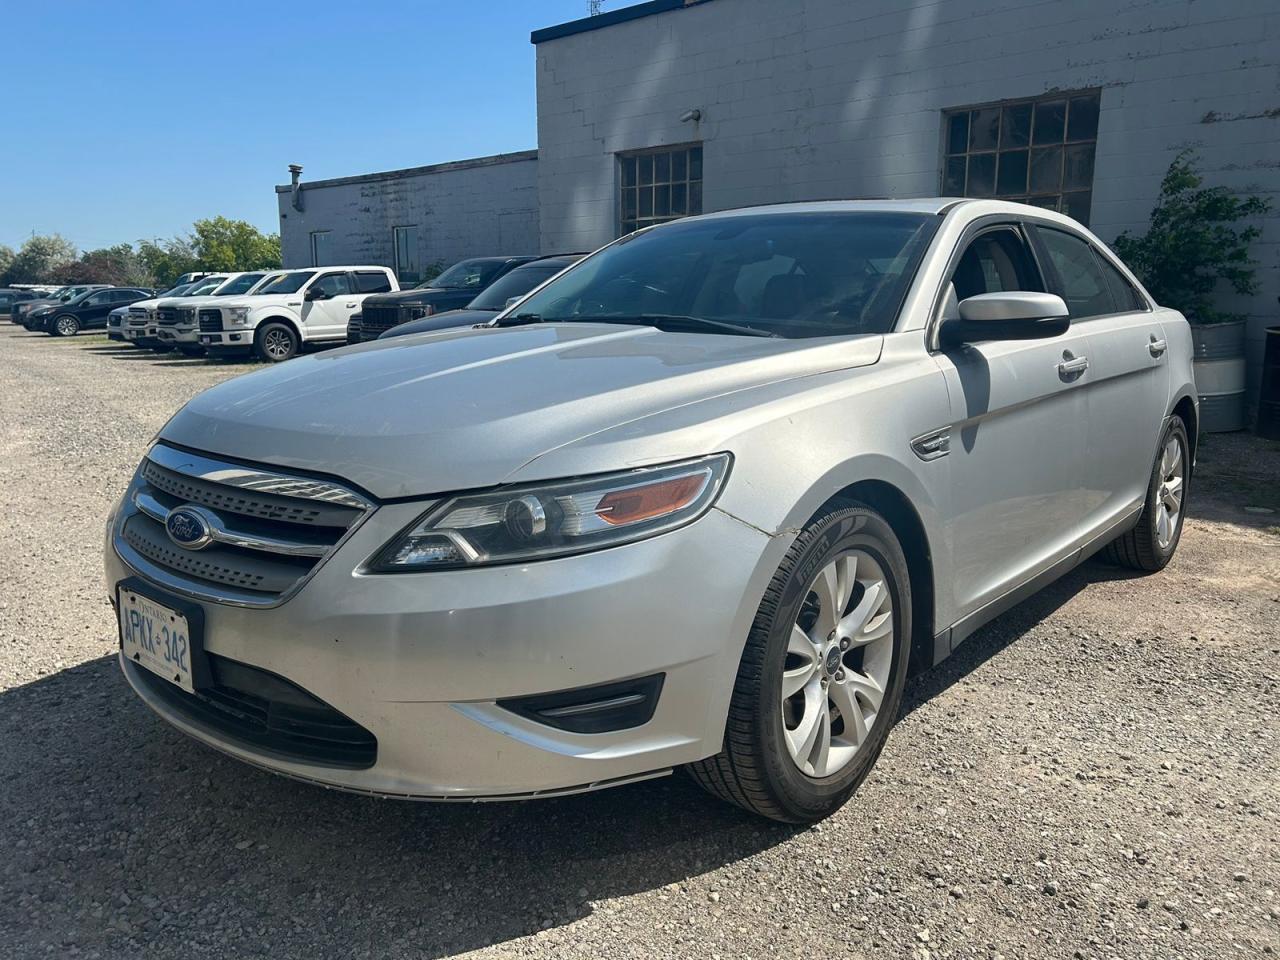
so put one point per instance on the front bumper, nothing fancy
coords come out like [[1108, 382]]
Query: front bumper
[[420, 660], [234, 339], [178, 335]]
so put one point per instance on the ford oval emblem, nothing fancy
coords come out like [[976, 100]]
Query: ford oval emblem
[[189, 528]]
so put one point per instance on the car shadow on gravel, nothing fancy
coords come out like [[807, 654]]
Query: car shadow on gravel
[[123, 832]]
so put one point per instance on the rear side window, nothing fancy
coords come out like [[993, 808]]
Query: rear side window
[[1084, 287], [372, 281], [1123, 292]]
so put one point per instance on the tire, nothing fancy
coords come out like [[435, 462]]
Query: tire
[[1151, 544], [275, 343], [191, 351], [64, 326], [757, 768]]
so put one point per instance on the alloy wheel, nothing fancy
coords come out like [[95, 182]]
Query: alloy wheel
[[838, 662], [67, 326], [277, 344], [1169, 491]]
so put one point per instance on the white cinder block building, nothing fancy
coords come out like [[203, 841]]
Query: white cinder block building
[[685, 106], [409, 219]]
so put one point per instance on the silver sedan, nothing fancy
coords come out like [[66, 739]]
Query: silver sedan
[[701, 501]]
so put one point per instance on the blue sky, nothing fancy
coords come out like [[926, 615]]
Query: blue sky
[[147, 115]]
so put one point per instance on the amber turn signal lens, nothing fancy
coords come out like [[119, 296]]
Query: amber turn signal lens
[[647, 502]]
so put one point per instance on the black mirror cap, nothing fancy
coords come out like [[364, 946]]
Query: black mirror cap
[[957, 331], [313, 293]]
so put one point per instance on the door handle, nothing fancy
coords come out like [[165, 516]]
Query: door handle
[[1073, 365], [1156, 347], [352, 304]]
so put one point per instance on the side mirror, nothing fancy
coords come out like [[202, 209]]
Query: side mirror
[[314, 293], [1010, 315]]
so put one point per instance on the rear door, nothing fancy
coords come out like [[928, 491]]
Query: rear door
[[1129, 377], [1017, 434]]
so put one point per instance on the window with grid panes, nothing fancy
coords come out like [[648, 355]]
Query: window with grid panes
[[659, 185], [1036, 151]]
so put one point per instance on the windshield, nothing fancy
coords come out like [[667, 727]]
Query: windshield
[[515, 284], [179, 291], [466, 275], [207, 285], [237, 285], [789, 274], [260, 286], [288, 283]]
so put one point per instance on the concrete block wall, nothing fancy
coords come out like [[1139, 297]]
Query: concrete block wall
[[487, 206], [815, 99]]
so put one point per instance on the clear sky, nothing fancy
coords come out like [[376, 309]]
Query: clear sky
[[129, 119]]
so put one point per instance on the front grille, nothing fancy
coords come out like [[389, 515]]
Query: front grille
[[270, 531], [210, 320], [376, 318], [266, 712], [355, 329], [167, 315], [138, 313]]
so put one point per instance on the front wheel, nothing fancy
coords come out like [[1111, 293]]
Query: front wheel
[[275, 343], [822, 673], [1150, 545], [65, 326]]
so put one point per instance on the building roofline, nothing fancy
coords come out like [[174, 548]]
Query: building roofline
[[448, 167], [602, 20]]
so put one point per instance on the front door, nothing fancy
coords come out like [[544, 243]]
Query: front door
[[326, 317], [1017, 434]]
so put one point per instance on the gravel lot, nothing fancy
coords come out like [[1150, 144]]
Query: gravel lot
[[1096, 774]]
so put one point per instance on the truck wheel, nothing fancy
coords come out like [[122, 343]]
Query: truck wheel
[[822, 674], [275, 343]]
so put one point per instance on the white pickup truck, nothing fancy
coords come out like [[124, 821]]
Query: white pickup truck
[[140, 325], [176, 316], [301, 306]]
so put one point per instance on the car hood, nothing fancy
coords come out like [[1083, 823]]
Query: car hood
[[416, 295], [440, 321], [466, 408]]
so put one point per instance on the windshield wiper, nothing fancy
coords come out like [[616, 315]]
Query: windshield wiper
[[518, 320], [678, 323]]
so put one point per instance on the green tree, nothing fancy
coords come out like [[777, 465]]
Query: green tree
[[223, 244], [6, 259], [1193, 243], [166, 260], [118, 265], [35, 261]]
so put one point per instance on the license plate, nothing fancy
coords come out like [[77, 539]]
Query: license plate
[[156, 637]]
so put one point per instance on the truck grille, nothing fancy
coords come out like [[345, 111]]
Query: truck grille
[[167, 315], [268, 531], [260, 709], [375, 319], [210, 320]]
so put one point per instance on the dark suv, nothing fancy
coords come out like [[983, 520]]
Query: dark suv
[[8, 298], [23, 308], [86, 312], [493, 300], [451, 290]]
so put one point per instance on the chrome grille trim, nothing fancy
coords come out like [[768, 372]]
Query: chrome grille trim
[[271, 531]]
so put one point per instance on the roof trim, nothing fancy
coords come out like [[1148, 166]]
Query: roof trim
[[613, 17], [448, 167]]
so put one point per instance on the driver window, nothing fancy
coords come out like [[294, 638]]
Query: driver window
[[995, 262], [333, 284]]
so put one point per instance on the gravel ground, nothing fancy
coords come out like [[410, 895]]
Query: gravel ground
[[1095, 774]]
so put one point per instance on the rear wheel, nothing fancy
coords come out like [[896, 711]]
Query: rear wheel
[[275, 342], [822, 673], [1150, 545], [65, 326]]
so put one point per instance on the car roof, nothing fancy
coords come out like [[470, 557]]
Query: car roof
[[338, 266]]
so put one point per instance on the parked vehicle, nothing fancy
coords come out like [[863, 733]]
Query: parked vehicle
[[22, 308], [451, 290], [495, 298], [700, 501], [311, 306], [8, 297], [85, 312], [142, 325], [176, 324]]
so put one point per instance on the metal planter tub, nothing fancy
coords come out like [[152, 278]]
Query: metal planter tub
[[1220, 375]]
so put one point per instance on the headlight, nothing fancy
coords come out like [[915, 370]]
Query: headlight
[[555, 519], [237, 314]]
